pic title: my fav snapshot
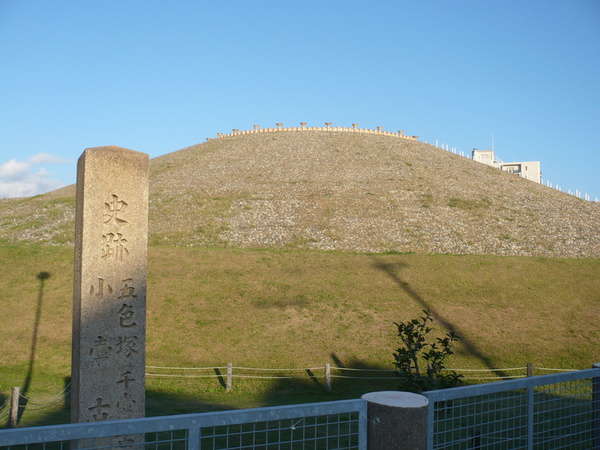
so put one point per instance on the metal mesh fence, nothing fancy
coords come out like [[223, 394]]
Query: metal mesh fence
[[462, 423], [548, 412], [564, 415], [340, 431], [330, 425]]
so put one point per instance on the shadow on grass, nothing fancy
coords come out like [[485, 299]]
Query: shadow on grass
[[564, 417], [393, 270], [350, 380], [158, 403], [42, 277]]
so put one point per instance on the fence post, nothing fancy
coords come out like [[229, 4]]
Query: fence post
[[530, 415], [596, 406], [328, 376], [14, 407], [396, 420], [229, 381], [529, 370]]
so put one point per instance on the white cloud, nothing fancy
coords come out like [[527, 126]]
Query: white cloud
[[28, 187], [13, 169], [21, 179], [42, 158]]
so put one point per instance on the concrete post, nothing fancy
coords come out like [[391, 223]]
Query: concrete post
[[396, 420]]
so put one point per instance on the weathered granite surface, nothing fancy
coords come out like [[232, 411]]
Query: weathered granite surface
[[109, 291]]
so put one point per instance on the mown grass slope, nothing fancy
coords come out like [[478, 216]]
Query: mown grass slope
[[298, 309]]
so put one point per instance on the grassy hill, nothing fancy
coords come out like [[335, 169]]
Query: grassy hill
[[290, 250], [298, 309], [335, 191]]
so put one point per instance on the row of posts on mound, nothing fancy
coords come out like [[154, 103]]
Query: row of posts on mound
[[328, 127], [109, 305]]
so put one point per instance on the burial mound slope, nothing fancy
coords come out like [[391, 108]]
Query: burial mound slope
[[335, 191]]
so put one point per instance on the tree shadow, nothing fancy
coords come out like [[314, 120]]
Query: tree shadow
[[158, 403], [392, 269], [311, 387], [479, 424], [349, 380], [161, 403]]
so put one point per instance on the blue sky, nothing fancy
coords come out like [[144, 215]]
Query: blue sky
[[158, 76]]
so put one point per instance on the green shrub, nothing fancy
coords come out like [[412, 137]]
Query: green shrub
[[415, 349]]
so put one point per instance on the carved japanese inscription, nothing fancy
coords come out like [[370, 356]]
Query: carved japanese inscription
[[109, 296]]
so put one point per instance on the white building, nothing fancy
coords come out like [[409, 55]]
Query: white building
[[530, 170], [486, 157]]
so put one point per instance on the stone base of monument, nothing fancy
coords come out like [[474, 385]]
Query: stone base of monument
[[396, 420]]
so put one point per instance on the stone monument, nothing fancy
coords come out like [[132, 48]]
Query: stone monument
[[109, 286]]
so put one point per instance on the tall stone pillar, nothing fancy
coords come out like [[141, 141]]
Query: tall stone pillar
[[109, 290]]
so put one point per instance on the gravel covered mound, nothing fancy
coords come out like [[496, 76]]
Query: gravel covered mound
[[366, 193], [335, 190]]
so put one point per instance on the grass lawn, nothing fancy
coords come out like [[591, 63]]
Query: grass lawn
[[298, 309]]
